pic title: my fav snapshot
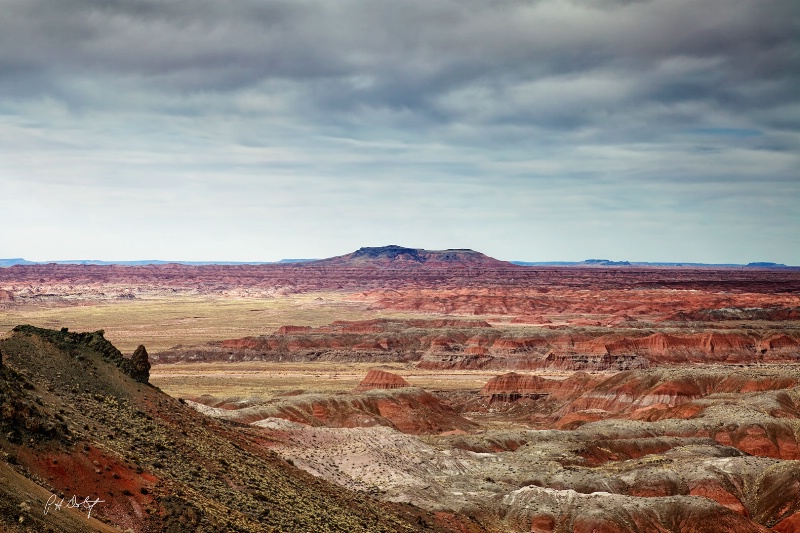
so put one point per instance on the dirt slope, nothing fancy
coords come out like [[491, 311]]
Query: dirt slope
[[73, 423]]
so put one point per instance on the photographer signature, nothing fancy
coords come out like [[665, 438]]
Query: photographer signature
[[73, 503]]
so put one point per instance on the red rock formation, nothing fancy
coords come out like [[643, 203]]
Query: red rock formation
[[362, 328], [663, 347], [659, 394], [456, 362], [516, 345], [297, 345], [576, 419], [576, 383], [291, 330], [530, 319], [788, 525], [463, 346], [447, 323], [763, 440], [566, 510], [408, 409], [476, 350], [713, 489], [379, 379], [251, 343], [512, 386], [778, 341], [482, 339]]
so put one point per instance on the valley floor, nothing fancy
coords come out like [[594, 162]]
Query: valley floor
[[553, 400]]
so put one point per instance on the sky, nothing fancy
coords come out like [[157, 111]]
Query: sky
[[256, 130]]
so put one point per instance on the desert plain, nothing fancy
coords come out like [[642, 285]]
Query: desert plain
[[395, 389]]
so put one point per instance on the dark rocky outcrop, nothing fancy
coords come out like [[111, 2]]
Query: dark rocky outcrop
[[76, 343], [140, 365]]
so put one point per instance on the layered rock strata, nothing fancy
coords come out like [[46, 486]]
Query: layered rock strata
[[380, 379], [475, 344]]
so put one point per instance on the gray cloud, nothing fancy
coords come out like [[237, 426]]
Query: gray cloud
[[522, 110], [415, 56]]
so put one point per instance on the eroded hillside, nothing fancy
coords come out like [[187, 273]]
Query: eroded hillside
[[75, 422], [646, 450]]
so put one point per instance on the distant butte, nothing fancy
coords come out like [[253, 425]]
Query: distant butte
[[379, 379], [394, 256]]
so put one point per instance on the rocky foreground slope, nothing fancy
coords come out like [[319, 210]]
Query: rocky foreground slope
[[79, 419]]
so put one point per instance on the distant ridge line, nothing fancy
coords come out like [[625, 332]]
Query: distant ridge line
[[595, 263], [401, 256]]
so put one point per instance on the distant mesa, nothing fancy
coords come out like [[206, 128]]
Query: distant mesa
[[400, 256], [605, 262], [765, 264], [391, 252], [15, 261], [379, 379], [593, 263], [761, 265], [283, 261]]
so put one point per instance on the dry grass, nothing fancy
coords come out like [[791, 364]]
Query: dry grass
[[266, 379], [161, 323]]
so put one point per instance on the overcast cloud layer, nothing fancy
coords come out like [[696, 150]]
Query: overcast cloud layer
[[661, 130]]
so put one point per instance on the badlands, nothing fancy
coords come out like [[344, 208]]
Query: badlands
[[397, 389]]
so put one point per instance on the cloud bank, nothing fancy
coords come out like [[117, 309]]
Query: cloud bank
[[535, 130]]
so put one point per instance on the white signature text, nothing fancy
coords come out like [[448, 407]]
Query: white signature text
[[53, 504]]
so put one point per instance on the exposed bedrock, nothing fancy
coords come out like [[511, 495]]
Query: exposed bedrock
[[470, 344], [407, 409], [672, 450], [543, 486], [544, 510], [668, 388]]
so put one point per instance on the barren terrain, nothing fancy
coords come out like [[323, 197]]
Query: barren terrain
[[490, 396]]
